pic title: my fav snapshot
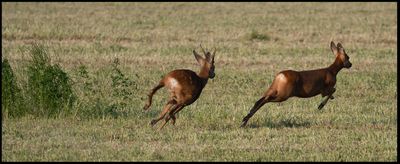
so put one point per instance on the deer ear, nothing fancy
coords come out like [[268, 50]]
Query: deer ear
[[199, 59], [334, 48], [340, 48]]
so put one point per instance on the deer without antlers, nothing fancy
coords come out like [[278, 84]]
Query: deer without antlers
[[184, 85], [304, 84]]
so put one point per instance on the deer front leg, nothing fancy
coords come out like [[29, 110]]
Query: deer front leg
[[327, 93], [253, 110]]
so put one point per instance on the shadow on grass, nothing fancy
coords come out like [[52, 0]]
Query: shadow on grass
[[288, 123]]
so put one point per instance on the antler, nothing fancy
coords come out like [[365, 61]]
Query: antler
[[206, 53], [215, 49], [203, 49]]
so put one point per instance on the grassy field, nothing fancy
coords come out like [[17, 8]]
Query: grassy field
[[254, 41]]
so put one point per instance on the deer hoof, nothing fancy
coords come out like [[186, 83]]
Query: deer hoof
[[243, 124], [153, 122], [320, 106]]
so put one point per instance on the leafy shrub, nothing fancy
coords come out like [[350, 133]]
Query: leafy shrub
[[10, 98], [49, 86]]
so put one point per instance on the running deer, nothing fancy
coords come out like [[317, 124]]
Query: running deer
[[304, 84], [184, 85]]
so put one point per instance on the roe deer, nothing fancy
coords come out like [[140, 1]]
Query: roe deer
[[304, 84], [184, 86]]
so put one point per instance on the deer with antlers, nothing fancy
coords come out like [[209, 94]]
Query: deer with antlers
[[184, 85], [304, 84]]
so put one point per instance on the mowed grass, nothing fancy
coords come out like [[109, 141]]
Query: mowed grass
[[254, 41]]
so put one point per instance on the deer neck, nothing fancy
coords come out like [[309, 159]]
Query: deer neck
[[203, 74], [335, 67]]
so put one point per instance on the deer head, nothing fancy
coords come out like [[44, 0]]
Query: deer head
[[206, 64], [341, 55]]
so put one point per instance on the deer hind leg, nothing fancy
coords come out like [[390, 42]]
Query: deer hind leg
[[152, 92], [171, 115], [167, 107], [327, 93]]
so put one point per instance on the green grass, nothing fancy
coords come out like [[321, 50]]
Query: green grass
[[254, 41]]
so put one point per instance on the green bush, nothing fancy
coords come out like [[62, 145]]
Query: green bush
[[10, 98], [49, 87], [254, 35]]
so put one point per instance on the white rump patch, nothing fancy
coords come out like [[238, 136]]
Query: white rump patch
[[174, 83], [281, 77]]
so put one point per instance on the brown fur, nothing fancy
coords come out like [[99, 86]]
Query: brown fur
[[304, 84], [185, 87]]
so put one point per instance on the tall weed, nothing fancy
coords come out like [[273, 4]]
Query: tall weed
[[10, 92], [49, 87], [105, 93]]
